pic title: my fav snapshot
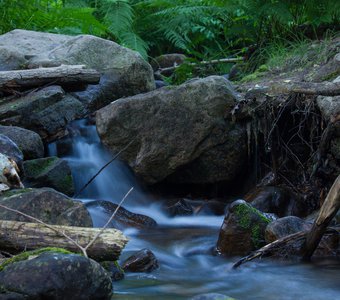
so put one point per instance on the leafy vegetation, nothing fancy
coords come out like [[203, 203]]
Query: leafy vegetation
[[202, 29]]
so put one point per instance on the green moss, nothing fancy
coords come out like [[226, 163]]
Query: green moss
[[244, 213], [263, 68], [26, 255], [331, 76], [66, 183], [34, 168]]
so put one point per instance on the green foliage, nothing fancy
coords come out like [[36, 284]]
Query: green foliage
[[202, 29]]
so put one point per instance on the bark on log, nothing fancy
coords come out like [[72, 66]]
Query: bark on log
[[203, 62], [328, 210], [65, 75], [307, 88], [18, 236]]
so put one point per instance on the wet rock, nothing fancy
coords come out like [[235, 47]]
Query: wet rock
[[27, 141], [123, 218], [284, 226], [57, 276], [11, 150], [125, 72], [142, 261], [45, 204], [269, 199], [5, 295], [113, 268], [183, 128], [212, 296], [160, 83], [180, 208], [46, 111], [50, 172], [242, 230]]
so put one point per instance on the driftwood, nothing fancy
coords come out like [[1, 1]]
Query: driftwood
[[18, 236], [309, 239], [64, 75], [328, 210], [203, 62], [307, 88]]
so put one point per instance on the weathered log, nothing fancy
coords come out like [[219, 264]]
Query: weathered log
[[203, 62], [307, 88], [328, 210], [64, 75], [18, 236]]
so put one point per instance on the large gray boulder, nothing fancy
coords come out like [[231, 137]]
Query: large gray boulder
[[56, 276], [28, 141], [181, 133], [124, 71]]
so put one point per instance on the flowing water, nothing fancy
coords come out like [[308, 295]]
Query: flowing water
[[183, 245]]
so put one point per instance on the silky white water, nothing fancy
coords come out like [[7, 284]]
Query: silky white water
[[183, 245]]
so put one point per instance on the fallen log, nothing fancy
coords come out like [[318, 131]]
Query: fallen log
[[200, 63], [18, 236], [307, 88], [328, 210], [64, 75]]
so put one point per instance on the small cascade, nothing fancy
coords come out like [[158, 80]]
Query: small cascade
[[183, 245]]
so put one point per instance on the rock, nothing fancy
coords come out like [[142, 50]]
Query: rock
[[212, 296], [113, 268], [11, 150], [50, 172], [45, 204], [27, 141], [180, 208], [329, 106], [57, 276], [125, 71], [270, 199], [182, 128], [46, 111], [284, 226], [167, 60], [142, 261], [123, 218], [9, 177], [242, 230], [160, 83]]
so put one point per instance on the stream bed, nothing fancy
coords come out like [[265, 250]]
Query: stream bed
[[183, 245]]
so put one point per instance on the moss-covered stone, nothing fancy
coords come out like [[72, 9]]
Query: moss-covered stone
[[31, 254], [243, 229], [49, 172]]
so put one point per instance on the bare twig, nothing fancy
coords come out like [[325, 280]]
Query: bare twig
[[101, 169], [109, 221]]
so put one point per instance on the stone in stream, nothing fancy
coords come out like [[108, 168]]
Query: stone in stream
[[284, 226], [142, 261], [11, 150], [123, 218], [183, 134], [242, 230], [124, 72], [45, 204], [50, 172], [113, 268], [56, 276], [27, 141]]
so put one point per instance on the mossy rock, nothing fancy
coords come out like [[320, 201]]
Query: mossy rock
[[243, 229], [49, 172]]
